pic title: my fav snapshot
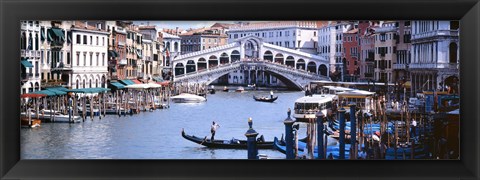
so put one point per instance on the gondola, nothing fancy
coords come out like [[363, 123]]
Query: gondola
[[264, 99], [211, 91], [226, 144]]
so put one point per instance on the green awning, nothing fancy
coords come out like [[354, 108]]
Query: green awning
[[139, 54], [112, 53], [127, 82], [117, 85], [49, 35], [26, 64], [42, 35], [89, 90], [60, 88], [50, 92], [158, 79]]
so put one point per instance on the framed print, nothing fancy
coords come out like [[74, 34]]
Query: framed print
[[224, 89]]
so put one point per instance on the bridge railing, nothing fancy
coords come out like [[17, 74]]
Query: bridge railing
[[258, 62]]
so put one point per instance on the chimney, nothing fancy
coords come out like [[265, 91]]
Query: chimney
[[176, 30]]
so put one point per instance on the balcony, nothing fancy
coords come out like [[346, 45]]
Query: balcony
[[120, 43], [369, 75], [399, 66], [385, 29], [26, 76], [370, 59], [434, 66], [431, 34], [123, 62]]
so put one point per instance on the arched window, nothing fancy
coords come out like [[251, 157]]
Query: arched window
[[290, 61], [268, 56], [190, 66], [312, 67], [30, 42], [279, 58], [36, 42], [301, 64], [454, 25], [179, 69], [453, 52], [212, 61], [322, 70], [23, 41], [224, 58], [235, 56], [201, 64]]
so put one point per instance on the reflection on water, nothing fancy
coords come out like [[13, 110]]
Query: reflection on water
[[157, 135]]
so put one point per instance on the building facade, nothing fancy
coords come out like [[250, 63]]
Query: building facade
[[367, 49], [31, 55], [385, 50], [435, 55], [89, 49], [298, 35], [201, 39], [330, 46]]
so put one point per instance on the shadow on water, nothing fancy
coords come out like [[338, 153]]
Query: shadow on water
[[157, 135]]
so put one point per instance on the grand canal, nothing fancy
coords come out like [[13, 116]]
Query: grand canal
[[157, 135]]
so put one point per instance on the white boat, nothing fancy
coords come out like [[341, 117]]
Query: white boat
[[96, 111], [307, 107], [187, 98], [240, 89], [65, 118]]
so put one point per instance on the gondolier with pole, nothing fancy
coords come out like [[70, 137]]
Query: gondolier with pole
[[213, 129]]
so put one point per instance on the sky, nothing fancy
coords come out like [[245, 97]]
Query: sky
[[180, 24]]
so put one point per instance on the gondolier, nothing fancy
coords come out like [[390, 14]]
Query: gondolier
[[213, 129]]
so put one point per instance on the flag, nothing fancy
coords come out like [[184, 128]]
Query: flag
[[167, 53]]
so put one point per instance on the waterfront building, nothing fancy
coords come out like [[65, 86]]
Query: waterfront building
[[351, 48], [134, 47], [297, 35], [89, 47], [435, 55], [385, 50], [152, 48], [172, 48], [31, 55], [367, 49], [117, 49], [403, 55], [330, 46], [202, 38], [55, 47]]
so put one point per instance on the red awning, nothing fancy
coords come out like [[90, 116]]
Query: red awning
[[137, 81], [164, 83], [31, 95]]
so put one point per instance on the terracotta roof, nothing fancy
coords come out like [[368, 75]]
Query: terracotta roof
[[353, 31], [82, 25]]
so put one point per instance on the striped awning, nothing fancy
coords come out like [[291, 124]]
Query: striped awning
[[127, 81], [117, 85], [26, 64]]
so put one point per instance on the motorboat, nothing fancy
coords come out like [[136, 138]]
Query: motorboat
[[187, 98], [240, 89]]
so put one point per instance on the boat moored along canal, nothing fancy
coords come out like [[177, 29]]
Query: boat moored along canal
[[226, 144]]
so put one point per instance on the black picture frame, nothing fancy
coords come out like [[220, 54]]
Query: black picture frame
[[13, 11]]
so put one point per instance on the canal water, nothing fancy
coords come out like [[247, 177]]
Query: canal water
[[157, 135]]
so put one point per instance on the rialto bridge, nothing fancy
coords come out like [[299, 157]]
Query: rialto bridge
[[256, 59]]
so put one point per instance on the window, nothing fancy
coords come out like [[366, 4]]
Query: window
[[97, 58], [68, 58], [91, 59], [96, 40], [84, 39], [85, 58], [91, 40], [103, 59], [103, 41], [314, 33]]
